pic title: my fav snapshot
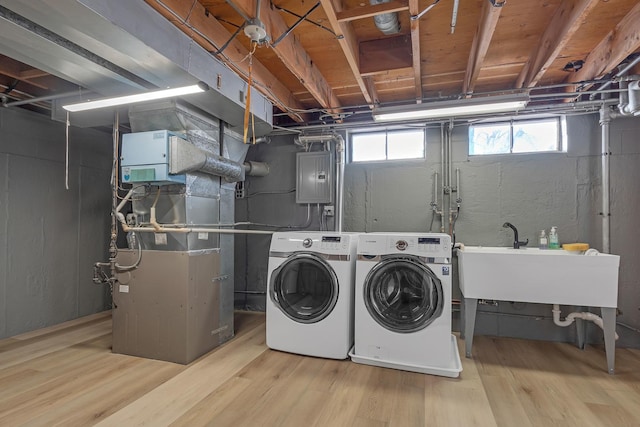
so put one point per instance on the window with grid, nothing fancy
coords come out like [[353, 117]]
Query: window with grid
[[386, 145], [522, 136]]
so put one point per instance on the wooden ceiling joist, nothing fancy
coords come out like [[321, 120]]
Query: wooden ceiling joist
[[14, 70], [565, 22], [194, 21], [348, 42], [480, 46], [415, 49], [293, 56], [369, 11], [621, 42]]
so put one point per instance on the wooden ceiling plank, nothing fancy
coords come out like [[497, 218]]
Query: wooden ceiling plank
[[215, 32], [293, 55], [348, 42], [480, 46], [415, 49], [565, 22], [369, 11], [622, 41], [12, 69], [32, 73]]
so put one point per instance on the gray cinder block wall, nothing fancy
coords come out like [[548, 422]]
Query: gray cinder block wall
[[49, 236], [532, 191]]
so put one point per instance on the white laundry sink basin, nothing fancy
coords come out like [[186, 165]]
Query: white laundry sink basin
[[552, 276]]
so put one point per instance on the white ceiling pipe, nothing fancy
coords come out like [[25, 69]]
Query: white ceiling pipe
[[605, 120]]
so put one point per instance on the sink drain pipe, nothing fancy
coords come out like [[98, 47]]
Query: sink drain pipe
[[571, 317]]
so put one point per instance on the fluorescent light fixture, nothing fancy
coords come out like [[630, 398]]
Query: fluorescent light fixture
[[140, 97], [453, 108]]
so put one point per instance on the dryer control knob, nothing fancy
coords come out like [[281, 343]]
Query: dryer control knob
[[401, 245], [307, 243]]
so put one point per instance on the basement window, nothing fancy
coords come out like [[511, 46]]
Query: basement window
[[522, 136], [387, 145]]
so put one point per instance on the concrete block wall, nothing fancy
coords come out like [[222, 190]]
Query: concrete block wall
[[49, 236]]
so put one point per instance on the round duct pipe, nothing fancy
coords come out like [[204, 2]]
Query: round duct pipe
[[387, 22], [252, 168]]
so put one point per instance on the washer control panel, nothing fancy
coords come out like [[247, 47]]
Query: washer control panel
[[435, 245], [333, 242]]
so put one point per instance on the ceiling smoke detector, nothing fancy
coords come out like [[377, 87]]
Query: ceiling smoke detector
[[255, 31]]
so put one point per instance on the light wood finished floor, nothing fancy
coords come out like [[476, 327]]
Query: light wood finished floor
[[67, 376]]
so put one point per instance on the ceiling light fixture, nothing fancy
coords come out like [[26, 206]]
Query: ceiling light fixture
[[453, 108], [140, 97]]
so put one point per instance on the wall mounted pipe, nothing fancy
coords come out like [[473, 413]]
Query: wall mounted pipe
[[605, 120], [621, 73], [571, 317]]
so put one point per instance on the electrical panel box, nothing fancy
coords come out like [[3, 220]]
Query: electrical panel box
[[145, 158], [315, 177]]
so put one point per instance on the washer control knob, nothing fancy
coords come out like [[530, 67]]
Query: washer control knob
[[401, 245], [307, 243]]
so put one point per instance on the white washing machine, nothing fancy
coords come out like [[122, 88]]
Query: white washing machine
[[310, 293], [403, 303]]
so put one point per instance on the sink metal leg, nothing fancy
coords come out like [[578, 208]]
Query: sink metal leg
[[470, 306], [462, 317], [609, 321], [581, 329]]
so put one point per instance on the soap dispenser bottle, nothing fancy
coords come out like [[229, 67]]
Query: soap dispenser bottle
[[554, 242], [543, 241]]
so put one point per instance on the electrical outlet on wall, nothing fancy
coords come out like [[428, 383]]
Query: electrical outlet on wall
[[328, 210], [240, 190]]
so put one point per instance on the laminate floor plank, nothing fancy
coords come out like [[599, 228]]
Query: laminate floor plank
[[67, 376]]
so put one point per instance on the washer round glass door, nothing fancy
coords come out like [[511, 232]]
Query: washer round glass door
[[304, 287], [403, 294]]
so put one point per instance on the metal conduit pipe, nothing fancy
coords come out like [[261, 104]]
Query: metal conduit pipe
[[40, 98], [621, 73], [605, 120]]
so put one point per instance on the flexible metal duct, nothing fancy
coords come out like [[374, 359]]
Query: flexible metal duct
[[387, 22]]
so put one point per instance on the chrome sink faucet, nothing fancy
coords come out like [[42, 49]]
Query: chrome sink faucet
[[516, 243]]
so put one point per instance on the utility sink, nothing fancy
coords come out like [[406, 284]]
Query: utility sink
[[552, 276], [549, 276]]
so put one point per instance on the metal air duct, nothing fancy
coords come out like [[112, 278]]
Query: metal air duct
[[387, 22]]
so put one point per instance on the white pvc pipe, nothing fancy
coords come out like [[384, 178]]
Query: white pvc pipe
[[571, 317], [163, 229], [605, 120]]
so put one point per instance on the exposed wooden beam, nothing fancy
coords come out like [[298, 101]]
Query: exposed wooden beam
[[32, 73], [368, 11], [622, 41], [481, 41], [293, 55], [415, 49], [13, 69], [211, 34], [371, 87], [566, 21], [348, 42]]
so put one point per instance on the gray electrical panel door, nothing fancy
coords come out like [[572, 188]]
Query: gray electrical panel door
[[315, 177]]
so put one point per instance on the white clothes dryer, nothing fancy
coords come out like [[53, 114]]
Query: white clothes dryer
[[310, 293], [403, 303]]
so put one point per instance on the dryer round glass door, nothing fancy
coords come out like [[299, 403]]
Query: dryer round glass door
[[304, 287], [403, 294]]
